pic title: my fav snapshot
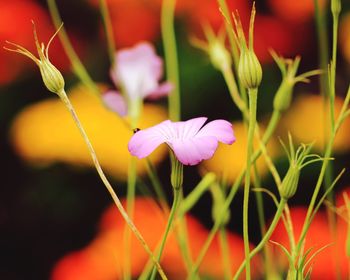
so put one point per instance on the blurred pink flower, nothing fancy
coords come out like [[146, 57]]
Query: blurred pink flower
[[137, 72], [190, 140]]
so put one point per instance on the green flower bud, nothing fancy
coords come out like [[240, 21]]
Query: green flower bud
[[219, 56], [290, 182], [51, 76], [297, 161], [283, 97], [289, 68], [249, 69], [336, 7], [215, 47]]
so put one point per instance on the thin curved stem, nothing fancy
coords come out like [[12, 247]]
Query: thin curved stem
[[77, 65], [130, 205], [170, 52], [225, 253], [266, 237], [252, 120], [108, 186], [109, 31], [168, 227], [276, 115]]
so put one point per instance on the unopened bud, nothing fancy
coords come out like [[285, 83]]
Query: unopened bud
[[298, 159], [219, 55], [249, 69], [283, 97], [336, 7], [290, 182], [51, 76]]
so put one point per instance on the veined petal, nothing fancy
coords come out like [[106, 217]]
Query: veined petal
[[220, 129], [193, 150], [115, 101], [144, 142], [190, 141], [190, 128]]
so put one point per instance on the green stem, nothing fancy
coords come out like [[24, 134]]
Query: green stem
[[182, 237], [229, 31], [276, 115], [333, 68], [329, 171], [152, 174], [253, 93], [196, 193], [135, 108], [215, 228], [332, 93], [232, 87], [168, 227], [171, 59], [322, 35], [259, 202], [77, 66], [265, 238], [261, 216], [130, 205], [225, 253], [307, 222], [234, 49], [108, 186], [288, 220], [109, 31]]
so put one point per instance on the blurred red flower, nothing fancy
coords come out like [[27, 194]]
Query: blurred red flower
[[299, 11], [102, 259], [133, 21], [329, 261], [16, 27], [270, 32]]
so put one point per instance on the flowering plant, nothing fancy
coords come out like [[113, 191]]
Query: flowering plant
[[144, 236]]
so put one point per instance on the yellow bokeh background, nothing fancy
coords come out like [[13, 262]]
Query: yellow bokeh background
[[229, 160], [45, 133], [307, 122]]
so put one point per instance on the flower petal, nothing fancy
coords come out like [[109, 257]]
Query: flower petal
[[137, 70], [193, 150], [190, 128], [220, 129], [163, 90], [115, 101], [144, 142]]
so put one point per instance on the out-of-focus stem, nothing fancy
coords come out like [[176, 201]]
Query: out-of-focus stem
[[265, 238], [276, 115], [225, 253], [168, 227], [322, 35], [171, 59], [108, 186], [77, 66], [109, 31]]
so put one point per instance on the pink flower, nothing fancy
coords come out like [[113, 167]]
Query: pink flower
[[137, 72], [190, 140]]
